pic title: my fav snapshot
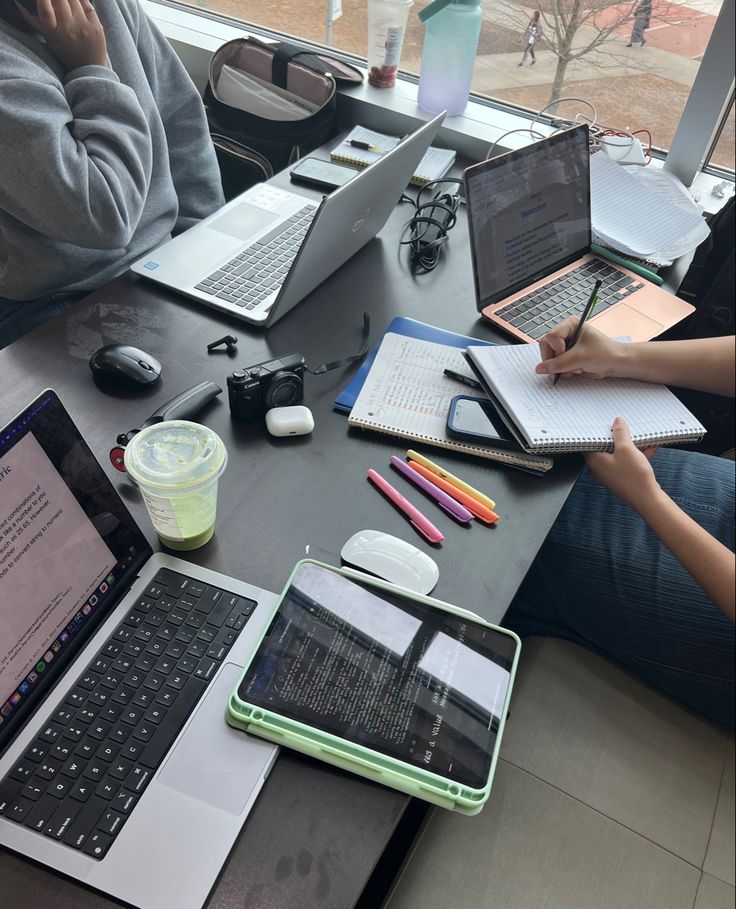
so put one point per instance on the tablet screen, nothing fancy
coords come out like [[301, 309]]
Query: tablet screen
[[385, 672]]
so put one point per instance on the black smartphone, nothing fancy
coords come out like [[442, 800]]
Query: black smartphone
[[476, 420], [321, 174]]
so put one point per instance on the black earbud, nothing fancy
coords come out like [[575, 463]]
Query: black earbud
[[230, 342]]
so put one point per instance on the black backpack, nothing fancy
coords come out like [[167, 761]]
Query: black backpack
[[286, 107]]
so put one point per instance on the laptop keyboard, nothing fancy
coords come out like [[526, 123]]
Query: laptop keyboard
[[83, 774], [259, 270], [538, 311]]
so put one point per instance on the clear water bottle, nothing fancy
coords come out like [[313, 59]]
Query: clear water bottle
[[451, 38]]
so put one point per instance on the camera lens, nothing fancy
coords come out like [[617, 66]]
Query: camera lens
[[284, 390]]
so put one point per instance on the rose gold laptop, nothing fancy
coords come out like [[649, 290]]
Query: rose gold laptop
[[530, 232]]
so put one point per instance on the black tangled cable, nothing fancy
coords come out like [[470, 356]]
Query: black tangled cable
[[430, 224]]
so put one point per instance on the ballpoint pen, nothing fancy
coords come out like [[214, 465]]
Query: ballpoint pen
[[583, 316], [454, 508], [446, 475], [416, 518], [366, 146], [478, 509], [466, 380]]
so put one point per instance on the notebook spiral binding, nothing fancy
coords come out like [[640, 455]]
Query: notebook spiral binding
[[530, 460], [570, 443], [346, 159]]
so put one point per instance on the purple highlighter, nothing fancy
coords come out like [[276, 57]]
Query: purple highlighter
[[447, 503]]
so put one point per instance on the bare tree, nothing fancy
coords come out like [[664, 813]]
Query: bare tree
[[567, 18], [573, 29]]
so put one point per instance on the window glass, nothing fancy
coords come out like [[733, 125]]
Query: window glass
[[723, 151], [583, 50]]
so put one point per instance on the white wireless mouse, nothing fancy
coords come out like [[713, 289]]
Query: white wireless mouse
[[392, 559]]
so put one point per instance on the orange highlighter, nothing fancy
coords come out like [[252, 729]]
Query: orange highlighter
[[481, 511]]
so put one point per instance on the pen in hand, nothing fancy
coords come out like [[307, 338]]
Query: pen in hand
[[583, 316], [366, 146]]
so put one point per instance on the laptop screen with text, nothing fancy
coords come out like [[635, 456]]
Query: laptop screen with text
[[529, 213], [68, 546]]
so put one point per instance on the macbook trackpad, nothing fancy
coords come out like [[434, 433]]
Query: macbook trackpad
[[214, 762], [622, 321], [243, 221]]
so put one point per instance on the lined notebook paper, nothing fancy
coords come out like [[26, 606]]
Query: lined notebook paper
[[638, 216], [577, 413], [435, 163], [406, 394]]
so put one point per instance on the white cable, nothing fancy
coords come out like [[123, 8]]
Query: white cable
[[535, 136], [596, 129]]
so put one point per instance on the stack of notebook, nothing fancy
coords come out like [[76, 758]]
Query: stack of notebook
[[406, 394], [370, 145]]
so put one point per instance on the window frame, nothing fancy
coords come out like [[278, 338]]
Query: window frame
[[196, 33]]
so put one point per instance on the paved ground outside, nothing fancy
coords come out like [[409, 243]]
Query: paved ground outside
[[634, 88]]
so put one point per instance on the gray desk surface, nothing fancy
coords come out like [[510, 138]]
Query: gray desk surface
[[315, 834]]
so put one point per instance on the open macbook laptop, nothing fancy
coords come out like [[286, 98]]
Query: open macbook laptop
[[263, 252], [117, 767], [530, 229]]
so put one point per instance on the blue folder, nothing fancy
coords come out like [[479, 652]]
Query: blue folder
[[410, 328]]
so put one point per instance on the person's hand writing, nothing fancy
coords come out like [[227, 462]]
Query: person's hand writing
[[625, 471], [593, 356], [72, 31]]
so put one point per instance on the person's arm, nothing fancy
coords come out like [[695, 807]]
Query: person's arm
[[705, 364], [627, 473], [76, 160], [194, 167]]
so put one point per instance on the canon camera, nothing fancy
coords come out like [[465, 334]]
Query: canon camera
[[275, 383]]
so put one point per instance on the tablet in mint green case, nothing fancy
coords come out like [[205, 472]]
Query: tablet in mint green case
[[400, 688]]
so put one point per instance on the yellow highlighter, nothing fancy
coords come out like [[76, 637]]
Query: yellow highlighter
[[455, 481]]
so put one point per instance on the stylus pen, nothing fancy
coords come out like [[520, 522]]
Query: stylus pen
[[583, 316], [417, 519], [454, 508], [478, 509], [366, 146], [466, 380], [446, 475], [632, 266]]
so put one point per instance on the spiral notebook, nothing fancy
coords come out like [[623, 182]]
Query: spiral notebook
[[406, 394], [577, 413], [434, 165]]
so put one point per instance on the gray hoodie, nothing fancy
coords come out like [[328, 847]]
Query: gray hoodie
[[101, 164]]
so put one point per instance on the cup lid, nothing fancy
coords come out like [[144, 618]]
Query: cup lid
[[175, 454]]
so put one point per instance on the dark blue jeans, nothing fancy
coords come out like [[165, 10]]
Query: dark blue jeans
[[603, 580], [18, 317]]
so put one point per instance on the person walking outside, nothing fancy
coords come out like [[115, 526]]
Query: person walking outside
[[642, 17], [533, 33]]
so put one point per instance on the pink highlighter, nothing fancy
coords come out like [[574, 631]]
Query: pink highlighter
[[420, 523]]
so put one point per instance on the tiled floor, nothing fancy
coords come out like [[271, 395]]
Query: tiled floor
[[608, 796]]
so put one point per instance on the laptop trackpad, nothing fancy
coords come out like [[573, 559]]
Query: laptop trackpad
[[623, 321], [243, 221], [213, 762]]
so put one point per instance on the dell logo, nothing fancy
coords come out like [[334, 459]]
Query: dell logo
[[361, 221]]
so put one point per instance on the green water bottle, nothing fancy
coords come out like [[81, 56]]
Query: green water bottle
[[451, 38]]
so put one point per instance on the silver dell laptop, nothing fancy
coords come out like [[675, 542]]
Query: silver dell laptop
[[263, 252], [116, 765]]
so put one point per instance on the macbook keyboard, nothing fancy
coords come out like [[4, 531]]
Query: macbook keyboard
[[541, 309], [255, 273], [83, 774]]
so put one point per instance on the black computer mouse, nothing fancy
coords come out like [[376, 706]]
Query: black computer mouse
[[125, 366]]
